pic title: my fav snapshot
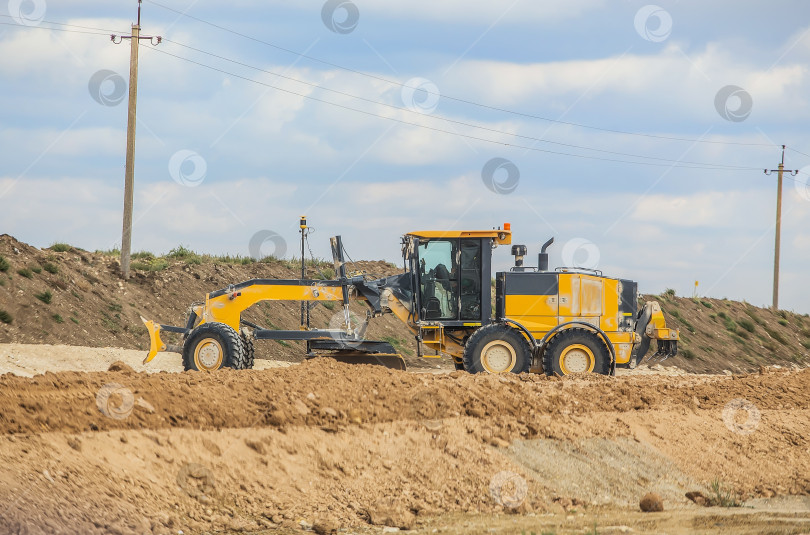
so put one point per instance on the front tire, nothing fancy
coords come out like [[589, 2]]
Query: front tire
[[576, 351], [497, 348], [213, 346]]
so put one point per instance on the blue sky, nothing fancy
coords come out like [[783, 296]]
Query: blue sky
[[220, 158]]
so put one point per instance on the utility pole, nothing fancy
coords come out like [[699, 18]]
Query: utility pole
[[780, 170], [129, 173]]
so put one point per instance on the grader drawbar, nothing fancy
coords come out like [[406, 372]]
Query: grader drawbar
[[560, 322]]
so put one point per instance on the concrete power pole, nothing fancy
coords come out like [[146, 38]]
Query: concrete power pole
[[780, 170], [129, 174]]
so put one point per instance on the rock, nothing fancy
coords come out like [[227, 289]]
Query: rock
[[651, 503], [256, 446], [300, 407], [325, 526], [699, 498], [355, 416], [120, 366], [395, 516], [433, 425]]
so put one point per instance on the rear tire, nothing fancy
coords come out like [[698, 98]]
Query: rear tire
[[250, 353], [575, 351], [213, 346], [497, 348]]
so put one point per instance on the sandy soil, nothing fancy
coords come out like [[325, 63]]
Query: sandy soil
[[28, 360], [327, 446]]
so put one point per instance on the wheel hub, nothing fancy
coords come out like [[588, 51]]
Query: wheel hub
[[209, 354], [498, 357], [576, 361]]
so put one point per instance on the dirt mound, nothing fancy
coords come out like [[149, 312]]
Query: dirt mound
[[119, 366], [719, 334], [335, 444]]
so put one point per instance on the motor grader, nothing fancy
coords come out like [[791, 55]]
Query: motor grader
[[560, 322]]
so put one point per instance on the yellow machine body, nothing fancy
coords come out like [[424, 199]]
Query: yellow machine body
[[583, 319]]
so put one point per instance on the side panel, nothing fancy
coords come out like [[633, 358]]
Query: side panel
[[610, 305], [591, 296], [569, 295], [530, 299]]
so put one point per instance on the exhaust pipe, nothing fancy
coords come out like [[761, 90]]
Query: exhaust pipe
[[542, 257]]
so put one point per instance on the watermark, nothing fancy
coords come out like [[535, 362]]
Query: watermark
[[732, 412], [115, 401], [733, 103], [500, 176], [579, 252], [108, 88], [340, 16], [345, 332], [802, 183], [508, 489], [196, 480], [187, 168], [267, 243], [653, 23], [420, 95], [27, 12]]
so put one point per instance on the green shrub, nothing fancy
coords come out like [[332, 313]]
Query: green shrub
[[783, 322], [74, 320], [4, 265], [180, 252], [706, 304], [51, 268], [45, 297], [25, 273], [36, 269], [723, 497], [806, 344], [57, 318], [152, 264], [776, 336], [60, 247], [687, 354], [5, 317], [753, 316], [723, 314], [669, 292], [747, 325], [2, 282]]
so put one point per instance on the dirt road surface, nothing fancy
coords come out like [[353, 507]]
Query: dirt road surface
[[331, 447]]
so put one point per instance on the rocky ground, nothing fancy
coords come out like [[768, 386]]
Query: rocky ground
[[332, 447]]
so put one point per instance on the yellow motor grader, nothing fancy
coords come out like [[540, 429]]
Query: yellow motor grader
[[560, 322]]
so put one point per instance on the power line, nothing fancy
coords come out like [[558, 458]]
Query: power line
[[438, 117], [666, 161], [458, 99], [51, 29], [800, 152], [56, 23], [690, 165]]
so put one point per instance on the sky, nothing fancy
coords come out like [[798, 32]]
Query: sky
[[634, 134]]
